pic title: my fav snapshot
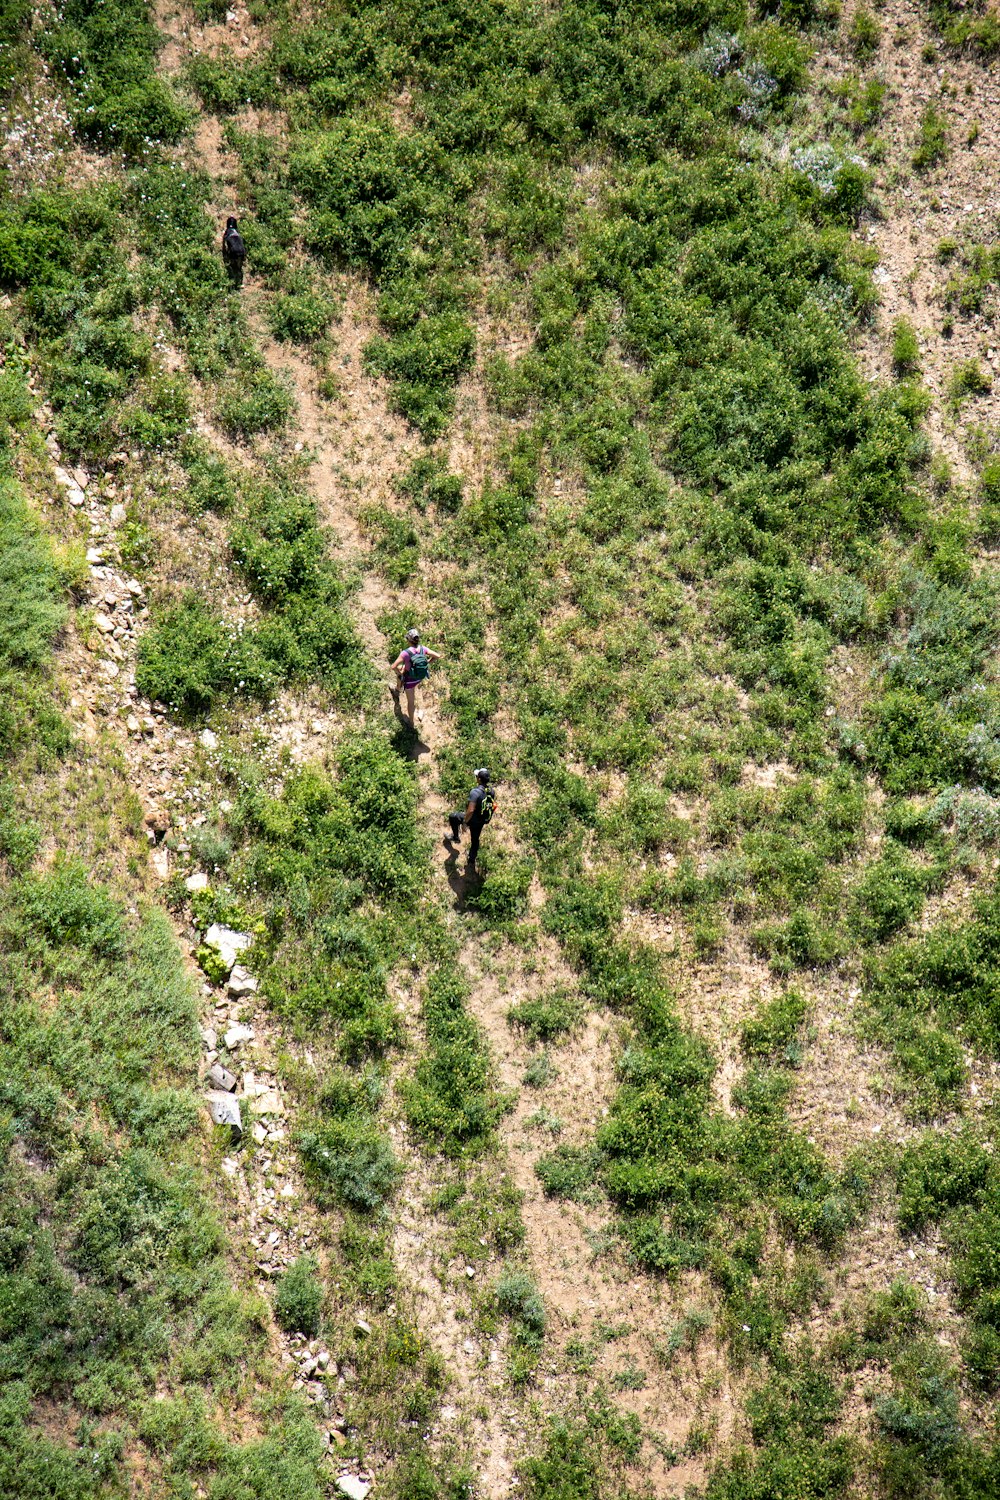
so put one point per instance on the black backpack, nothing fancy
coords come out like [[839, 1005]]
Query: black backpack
[[488, 805], [232, 243]]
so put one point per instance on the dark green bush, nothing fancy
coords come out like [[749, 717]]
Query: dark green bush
[[298, 1297], [518, 1299]]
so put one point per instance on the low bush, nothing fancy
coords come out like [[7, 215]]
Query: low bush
[[905, 348], [932, 142], [350, 1163], [569, 1172], [451, 1099], [547, 1018], [298, 1297], [255, 401], [775, 1032], [519, 1301], [939, 1173]]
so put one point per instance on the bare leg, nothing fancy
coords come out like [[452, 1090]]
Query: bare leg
[[409, 704]]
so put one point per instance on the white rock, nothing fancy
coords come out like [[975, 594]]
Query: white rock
[[224, 1109], [117, 515], [228, 944], [94, 555], [197, 881], [362, 1325], [354, 1489], [209, 1036], [75, 495], [237, 1035], [209, 739], [241, 982], [269, 1103], [160, 860]]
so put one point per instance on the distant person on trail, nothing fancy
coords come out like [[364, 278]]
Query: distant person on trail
[[412, 666], [234, 252], [477, 814]]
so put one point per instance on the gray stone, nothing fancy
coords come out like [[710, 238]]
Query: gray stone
[[196, 882], [237, 1035], [224, 1109], [242, 982], [221, 1078]]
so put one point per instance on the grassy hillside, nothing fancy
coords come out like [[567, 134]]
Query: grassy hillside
[[557, 339]]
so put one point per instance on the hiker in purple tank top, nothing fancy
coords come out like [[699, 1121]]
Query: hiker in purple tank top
[[412, 667]]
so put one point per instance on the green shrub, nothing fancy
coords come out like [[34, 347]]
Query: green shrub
[[888, 896], [502, 895], [67, 908], [905, 348], [518, 1299], [350, 1163], [936, 1174], [864, 35], [451, 1099], [190, 658], [775, 1032], [968, 379], [569, 1172], [31, 607], [298, 1297], [428, 482], [301, 317], [933, 139], [548, 1017], [396, 549], [255, 401]]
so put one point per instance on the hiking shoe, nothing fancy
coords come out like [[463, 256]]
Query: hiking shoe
[[420, 716]]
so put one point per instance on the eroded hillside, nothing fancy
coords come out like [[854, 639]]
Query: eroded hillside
[[644, 357]]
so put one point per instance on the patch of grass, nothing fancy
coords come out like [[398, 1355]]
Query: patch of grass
[[547, 1018], [932, 142]]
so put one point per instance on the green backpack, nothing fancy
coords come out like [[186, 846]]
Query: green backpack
[[420, 663]]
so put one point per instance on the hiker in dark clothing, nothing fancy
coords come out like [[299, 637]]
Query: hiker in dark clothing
[[412, 666], [477, 814], [234, 252]]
